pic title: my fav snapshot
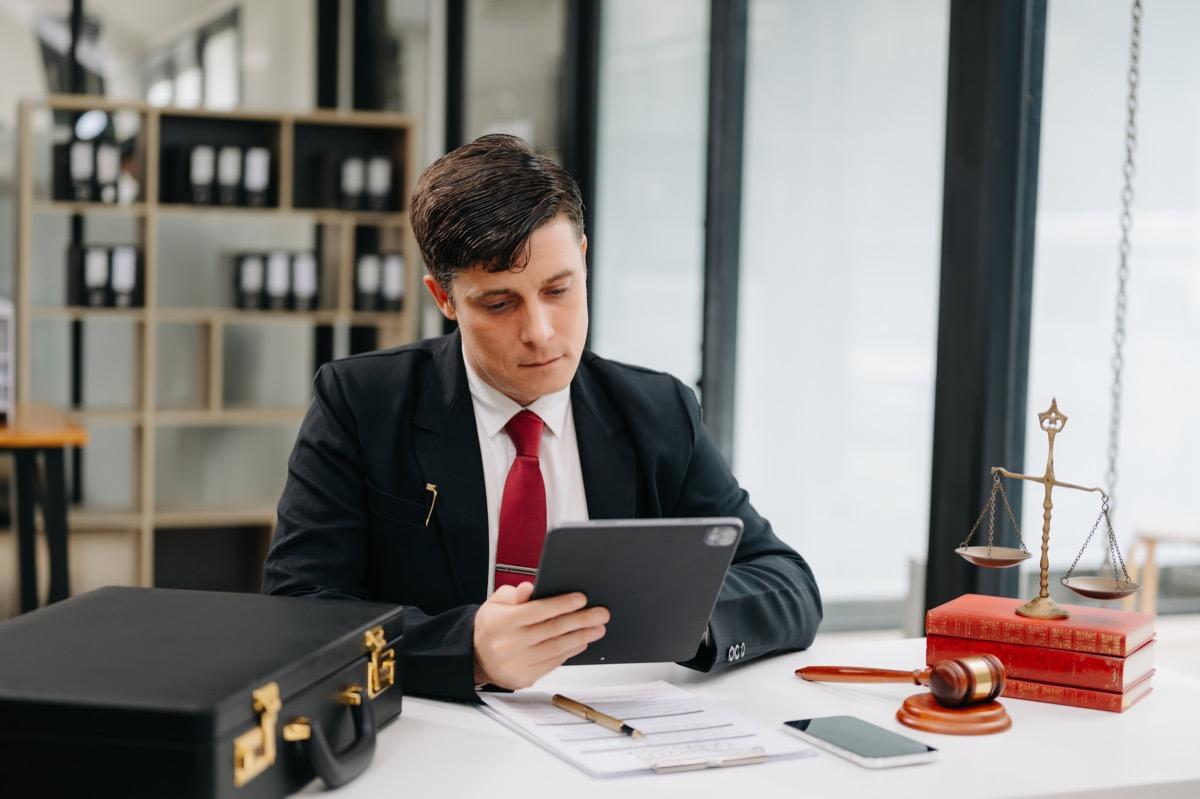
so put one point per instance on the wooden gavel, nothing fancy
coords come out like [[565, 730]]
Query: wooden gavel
[[953, 683]]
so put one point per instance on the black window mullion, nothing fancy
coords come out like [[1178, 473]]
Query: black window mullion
[[993, 124], [723, 215]]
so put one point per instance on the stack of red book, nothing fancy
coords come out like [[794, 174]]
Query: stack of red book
[[1097, 658]]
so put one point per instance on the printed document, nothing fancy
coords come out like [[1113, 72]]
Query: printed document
[[682, 732]]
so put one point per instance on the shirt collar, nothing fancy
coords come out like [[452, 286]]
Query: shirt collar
[[494, 409]]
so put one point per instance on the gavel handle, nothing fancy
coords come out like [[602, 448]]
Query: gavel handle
[[861, 674]]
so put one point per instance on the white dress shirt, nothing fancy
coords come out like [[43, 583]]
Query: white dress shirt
[[558, 455]]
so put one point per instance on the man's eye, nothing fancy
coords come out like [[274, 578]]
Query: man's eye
[[557, 292], [499, 306]]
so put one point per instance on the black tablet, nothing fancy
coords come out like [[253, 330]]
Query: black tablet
[[659, 579]]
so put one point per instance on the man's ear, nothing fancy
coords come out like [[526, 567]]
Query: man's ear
[[583, 250], [444, 303]]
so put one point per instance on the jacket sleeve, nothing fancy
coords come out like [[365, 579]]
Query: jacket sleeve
[[321, 539], [769, 602]]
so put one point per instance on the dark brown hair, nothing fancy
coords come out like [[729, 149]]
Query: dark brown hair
[[478, 206]]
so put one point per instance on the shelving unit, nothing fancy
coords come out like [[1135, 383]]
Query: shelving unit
[[291, 192]]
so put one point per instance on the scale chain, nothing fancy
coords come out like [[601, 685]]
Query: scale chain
[[1126, 220], [1113, 551], [990, 509]]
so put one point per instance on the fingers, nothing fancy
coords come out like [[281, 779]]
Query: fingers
[[504, 595], [565, 624], [538, 610], [523, 591], [554, 651]]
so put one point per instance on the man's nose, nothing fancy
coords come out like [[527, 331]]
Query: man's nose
[[537, 329]]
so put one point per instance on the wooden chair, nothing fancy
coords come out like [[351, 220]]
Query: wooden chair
[[1146, 571], [34, 430]]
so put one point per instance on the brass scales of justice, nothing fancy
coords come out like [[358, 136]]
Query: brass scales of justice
[[1052, 421]]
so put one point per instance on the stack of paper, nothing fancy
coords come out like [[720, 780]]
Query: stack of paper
[[682, 733]]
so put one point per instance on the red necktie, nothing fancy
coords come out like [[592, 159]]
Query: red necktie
[[523, 506]]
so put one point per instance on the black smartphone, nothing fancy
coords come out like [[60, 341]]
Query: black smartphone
[[861, 742]]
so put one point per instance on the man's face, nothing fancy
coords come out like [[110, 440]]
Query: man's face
[[523, 332]]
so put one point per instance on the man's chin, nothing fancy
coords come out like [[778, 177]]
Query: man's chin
[[539, 381]]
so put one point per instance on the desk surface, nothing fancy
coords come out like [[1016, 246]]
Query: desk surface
[[37, 426], [449, 749]]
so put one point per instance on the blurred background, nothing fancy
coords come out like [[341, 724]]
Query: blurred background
[[877, 237]]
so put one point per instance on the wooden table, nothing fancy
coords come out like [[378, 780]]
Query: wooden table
[[37, 429]]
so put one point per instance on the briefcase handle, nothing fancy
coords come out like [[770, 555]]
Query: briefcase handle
[[337, 768]]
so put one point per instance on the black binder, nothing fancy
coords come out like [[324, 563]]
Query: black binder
[[141, 692]]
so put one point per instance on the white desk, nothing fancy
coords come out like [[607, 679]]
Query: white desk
[[438, 749]]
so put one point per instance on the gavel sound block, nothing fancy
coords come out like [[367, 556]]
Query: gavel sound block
[[961, 699]]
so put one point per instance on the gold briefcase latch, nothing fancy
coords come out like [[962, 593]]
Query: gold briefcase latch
[[254, 750], [381, 670]]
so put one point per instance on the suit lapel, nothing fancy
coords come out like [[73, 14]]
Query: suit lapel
[[447, 449], [606, 454]]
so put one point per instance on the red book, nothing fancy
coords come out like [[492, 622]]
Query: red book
[[1045, 665], [1079, 697], [993, 618]]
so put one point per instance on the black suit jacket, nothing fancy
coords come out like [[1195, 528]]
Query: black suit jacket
[[384, 424]]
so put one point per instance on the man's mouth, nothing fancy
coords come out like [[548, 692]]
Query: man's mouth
[[541, 364]]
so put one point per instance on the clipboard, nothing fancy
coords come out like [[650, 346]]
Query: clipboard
[[659, 579]]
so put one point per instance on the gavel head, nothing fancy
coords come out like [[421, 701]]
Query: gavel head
[[967, 680]]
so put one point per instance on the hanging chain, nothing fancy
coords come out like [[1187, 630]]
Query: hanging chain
[[990, 509], [1113, 552], [1118, 358], [1011, 516]]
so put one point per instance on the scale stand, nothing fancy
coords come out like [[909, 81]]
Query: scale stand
[[1052, 421]]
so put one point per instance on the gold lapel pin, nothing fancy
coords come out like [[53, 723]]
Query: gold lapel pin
[[431, 488]]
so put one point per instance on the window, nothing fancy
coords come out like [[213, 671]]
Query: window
[[514, 52], [200, 68], [839, 283], [1082, 151], [649, 272]]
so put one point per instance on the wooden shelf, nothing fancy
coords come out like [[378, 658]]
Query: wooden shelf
[[361, 218], [82, 517], [253, 515], [86, 416], [71, 207], [86, 102], [85, 519], [292, 138], [228, 417], [83, 102], [77, 312], [326, 216], [327, 316]]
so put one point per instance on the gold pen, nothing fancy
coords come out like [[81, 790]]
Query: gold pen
[[591, 714]]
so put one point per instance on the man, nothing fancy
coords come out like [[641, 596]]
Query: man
[[427, 475]]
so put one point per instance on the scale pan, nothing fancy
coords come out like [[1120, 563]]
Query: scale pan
[[993, 557], [1101, 587]]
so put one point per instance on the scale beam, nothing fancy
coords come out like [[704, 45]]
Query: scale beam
[[1042, 479]]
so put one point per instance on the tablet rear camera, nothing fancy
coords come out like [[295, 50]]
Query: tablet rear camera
[[720, 536]]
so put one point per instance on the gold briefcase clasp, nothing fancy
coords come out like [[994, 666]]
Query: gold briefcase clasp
[[254, 750], [381, 670]]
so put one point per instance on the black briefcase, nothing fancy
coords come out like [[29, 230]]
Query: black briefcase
[[139, 692]]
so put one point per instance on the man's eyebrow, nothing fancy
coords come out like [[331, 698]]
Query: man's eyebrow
[[491, 293], [559, 276], [495, 292]]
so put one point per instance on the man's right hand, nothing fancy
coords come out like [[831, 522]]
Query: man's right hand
[[517, 641]]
